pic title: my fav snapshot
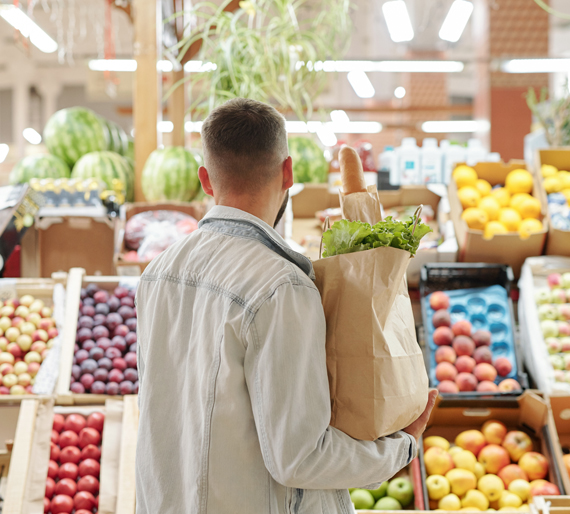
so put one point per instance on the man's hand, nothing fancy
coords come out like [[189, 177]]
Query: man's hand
[[416, 429]]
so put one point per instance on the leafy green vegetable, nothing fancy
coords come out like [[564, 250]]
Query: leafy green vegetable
[[355, 236]]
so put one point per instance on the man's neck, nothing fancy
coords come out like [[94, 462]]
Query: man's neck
[[250, 205]]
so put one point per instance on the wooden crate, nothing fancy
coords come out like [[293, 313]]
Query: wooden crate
[[76, 280], [30, 455], [42, 289]]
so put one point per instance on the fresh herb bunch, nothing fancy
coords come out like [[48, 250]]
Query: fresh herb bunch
[[356, 236]]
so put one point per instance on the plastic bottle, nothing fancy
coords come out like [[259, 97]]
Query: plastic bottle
[[409, 162], [386, 163], [431, 161], [475, 152], [453, 154]]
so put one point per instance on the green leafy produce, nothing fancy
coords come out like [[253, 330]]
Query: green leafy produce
[[309, 163], [355, 236]]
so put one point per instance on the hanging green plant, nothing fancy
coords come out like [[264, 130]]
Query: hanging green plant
[[267, 50]]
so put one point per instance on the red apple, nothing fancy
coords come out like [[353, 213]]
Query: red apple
[[494, 458], [517, 443], [543, 488], [510, 473], [534, 465]]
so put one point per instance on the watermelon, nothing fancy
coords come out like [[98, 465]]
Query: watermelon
[[118, 139], [309, 163], [71, 133], [39, 166], [170, 174], [106, 166]]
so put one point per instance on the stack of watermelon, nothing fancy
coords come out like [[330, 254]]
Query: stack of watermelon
[[81, 145]]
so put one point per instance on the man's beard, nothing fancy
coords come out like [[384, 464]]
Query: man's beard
[[282, 209]]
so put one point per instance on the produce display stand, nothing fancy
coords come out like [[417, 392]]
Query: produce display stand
[[123, 267], [43, 289], [558, 241], [76, 280], [552, 504], [503, 248]]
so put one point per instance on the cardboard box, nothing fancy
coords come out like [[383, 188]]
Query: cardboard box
[[58, 243], [31, 452], [128, 210], [313, 198], [558, 241], [528, 413], [75, 281], [560, 411], [503, 248]]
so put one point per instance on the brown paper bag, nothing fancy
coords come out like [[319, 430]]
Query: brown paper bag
[[377, 376]]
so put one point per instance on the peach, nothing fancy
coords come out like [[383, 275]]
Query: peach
[[534, 465], [482, 338], [472, 440], [443, 336], [487, 387], [517, 443], [462, 328], [439, 300], [485, 371], [543, 488], [510, 473], [463, 345], [483, 354], [494, 458], [447, 386], [508, 385], [441, 318], [466, 382], [494, 431], [445, 353], [445, 371], [503, 366], [465, 364]]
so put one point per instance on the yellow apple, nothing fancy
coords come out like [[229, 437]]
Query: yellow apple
[[454, 450], [435, 440], [475, 498], [512, 472], [524, 507], [437, 461], [471, 440], [491, 486], [461, 481], [517, 444], [494, 431], [450, 502], [534, 465], [509, 499], [521, 488], [437, 486], [464, 459], [479, 470], [494, 458]]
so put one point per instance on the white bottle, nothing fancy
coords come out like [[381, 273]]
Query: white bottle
[[431, 161], [494, 157], [409, 162], [387, 163], [475, 152], [453, 155]]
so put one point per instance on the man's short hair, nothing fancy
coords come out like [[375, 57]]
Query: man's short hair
[[244, 142]]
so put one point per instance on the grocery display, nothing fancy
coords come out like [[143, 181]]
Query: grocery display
[[556, 184]]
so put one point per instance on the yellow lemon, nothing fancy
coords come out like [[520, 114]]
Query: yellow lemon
[[529, 208], [566, 193], [502, 196], [464, 176], [475, 218], [510, 218], [490, 206], [468, 196], [528, 227], [521, 488], [483, 187], [564, 177], [547, 170], [519, 181], [516, 199], [492, 229], [552, 184]]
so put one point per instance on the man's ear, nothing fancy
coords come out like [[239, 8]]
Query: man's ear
[[288, 173], [205, 180]]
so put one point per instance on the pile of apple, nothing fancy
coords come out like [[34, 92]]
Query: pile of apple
[[105, 359], [394, 494], [27, 330], [491, 469], [464, 359], [73, 470], [554, 315]]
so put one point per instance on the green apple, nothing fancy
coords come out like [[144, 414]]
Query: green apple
[[380, 492], [387, 503], [362, 499], [401, 489]]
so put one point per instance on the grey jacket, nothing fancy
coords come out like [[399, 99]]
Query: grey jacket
[[234, 396]]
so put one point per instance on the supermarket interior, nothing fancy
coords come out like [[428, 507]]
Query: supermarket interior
[[448, 264]]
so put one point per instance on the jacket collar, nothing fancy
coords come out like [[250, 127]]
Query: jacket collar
[[222, 212]]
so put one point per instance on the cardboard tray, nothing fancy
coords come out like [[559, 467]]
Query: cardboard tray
[[558, 241], [507, 249], [528, 413], [43, 289], [195, 209], [449, 277], [76, 280], [560, 411], [30, 456]]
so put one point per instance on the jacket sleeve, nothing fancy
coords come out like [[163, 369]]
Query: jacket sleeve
[[285, 367]]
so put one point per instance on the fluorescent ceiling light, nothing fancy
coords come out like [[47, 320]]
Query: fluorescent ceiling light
[[339, 116], [113, 64], [326, 135], [164, 66], [28, 28], [32, 136], [165, 126], [394, 66], [443, 127], [342, 127], [361, 84], [456, 20], [536, 66], [193, 126], [400, 92], [198, 66], [4, 149], [296, 127], [398, 21]]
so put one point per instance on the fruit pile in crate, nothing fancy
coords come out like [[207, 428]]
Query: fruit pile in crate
[[74, 466], [553, 305], [105, 358], [556, 184], [27, 331], [470, 341], [395, 494], [502, 209], [489, 469]]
